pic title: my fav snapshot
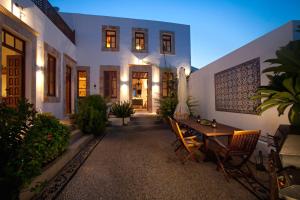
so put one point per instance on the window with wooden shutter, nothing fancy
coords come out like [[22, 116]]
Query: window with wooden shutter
[[51, 76], [110, 84], [168, 85]]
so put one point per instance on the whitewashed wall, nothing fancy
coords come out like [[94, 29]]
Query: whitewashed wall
[[201, 83], [49, 33], [89, 36]]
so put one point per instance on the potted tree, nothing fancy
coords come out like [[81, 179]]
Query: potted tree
[[123, 111], [283, 89]]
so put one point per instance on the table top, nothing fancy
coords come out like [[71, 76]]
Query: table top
[[220, 130]]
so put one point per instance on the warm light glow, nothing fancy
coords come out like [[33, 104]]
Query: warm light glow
[[40, 54], [124, 92], [155, 74], [138, 47], [39, 89]]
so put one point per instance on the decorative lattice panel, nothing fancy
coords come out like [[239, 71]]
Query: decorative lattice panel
[[234, 87]]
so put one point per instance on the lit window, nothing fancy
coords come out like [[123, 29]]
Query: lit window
[[139, 41], [82, 83], [110, 41]]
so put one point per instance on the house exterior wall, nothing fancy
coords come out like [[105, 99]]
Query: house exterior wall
[[202, 89], [47, 33], [90, 53]]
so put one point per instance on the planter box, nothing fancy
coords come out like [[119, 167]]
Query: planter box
[[115, 121]]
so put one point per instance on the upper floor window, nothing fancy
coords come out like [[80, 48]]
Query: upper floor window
[[110, 38], [110, 84], [139, 40], [167, 43], [51, 76]]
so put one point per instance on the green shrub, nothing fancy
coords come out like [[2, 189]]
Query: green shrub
[[45, 141], [122, 109], [14, 124], [91, 116], [27, 142], [167, 106]]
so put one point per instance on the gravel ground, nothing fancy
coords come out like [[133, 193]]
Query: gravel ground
[[138, 162]]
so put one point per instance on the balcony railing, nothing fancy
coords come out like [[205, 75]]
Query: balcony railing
[[52, 14]]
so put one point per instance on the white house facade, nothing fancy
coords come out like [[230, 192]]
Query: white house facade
[[55, 59]]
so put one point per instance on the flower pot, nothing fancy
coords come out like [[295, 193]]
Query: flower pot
[[294, 115]]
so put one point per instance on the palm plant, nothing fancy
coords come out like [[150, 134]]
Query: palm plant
[[283, 89], [122, 110]]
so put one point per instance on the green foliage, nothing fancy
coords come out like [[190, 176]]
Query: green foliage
[[45, 141], [27, 142], [283, 89], [14, 124], [122, 109], [167, 106], [91, 116]]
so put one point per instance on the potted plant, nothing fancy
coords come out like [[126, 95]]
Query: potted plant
[[283, 89], [122, 110]]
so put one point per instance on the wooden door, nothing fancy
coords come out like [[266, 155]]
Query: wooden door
[[14, 80], [68, 89]]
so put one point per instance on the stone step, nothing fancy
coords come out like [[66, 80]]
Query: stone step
[[54, 167]]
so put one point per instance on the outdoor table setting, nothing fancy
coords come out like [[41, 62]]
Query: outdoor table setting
[[208, 129]]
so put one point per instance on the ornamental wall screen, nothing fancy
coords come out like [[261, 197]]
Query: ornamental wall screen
[[235, 86]]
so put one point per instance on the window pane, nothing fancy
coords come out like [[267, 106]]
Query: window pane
[[82, 83], [9, 39], [19, 45]]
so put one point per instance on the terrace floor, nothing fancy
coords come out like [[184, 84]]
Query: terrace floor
[[138, 162]]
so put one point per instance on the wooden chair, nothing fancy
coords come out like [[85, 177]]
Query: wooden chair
[[242, 145], [189, 144], [183, 130]]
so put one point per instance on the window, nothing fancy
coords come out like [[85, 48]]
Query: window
[[110, 39], [139, 41], [167, 43], [168, 84], [110, 84], [82, 83], [51, 76]]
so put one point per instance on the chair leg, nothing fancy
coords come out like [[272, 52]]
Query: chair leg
[[221, 166]]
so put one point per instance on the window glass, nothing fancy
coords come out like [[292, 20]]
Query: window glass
[[82, 83], [110, 39], [9, 39], [19, 45]]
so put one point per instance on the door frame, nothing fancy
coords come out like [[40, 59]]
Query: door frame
[[142, 68]]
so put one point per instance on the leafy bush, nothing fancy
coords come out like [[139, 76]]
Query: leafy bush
[[14, 124], [27, 142], [45, 141], [283, 90], [167, 106], [122, 109], [91, 116]]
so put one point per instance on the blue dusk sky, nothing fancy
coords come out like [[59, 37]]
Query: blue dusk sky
[[217, 26]]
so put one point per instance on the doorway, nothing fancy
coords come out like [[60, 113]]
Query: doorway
[[13, 70], [68, 89], [140, 90]]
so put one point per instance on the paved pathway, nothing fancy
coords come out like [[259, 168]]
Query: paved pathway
[[138, 162]]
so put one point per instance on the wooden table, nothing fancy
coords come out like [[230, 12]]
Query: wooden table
[[209, 131]]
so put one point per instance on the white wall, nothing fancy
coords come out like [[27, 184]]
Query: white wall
[[49, 33], [201, 83], [89, 43]]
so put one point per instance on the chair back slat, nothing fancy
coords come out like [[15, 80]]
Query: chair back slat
[[244, 141], [180, 135]]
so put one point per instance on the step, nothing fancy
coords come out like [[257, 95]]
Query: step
[[53, 168]]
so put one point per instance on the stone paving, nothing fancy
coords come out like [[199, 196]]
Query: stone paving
[[138, 162]]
